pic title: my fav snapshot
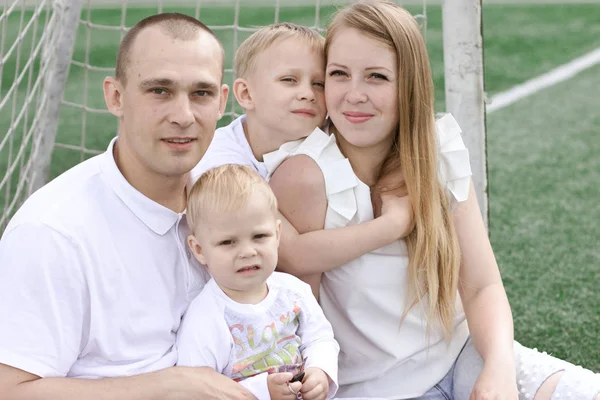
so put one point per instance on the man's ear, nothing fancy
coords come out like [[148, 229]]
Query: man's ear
[[224, 97], [196, 249], [113, 96], [242, 94]]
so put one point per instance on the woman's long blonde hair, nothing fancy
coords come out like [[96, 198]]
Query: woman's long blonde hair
[[412, 163]]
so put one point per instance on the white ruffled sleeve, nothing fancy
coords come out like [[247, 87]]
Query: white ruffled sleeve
[[340, 180], [454, 166]]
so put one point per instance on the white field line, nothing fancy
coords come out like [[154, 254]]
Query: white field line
[[557, 75]]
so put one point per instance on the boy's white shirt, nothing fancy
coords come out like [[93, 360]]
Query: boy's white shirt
[[229, 146], [214, 333]]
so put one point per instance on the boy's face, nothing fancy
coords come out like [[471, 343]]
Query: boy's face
[[287, 89], [239, 248]]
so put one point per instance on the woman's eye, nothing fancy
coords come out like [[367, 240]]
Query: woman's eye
[[379, 76], [337, 72]]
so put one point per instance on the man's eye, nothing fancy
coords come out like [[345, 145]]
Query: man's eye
[[158, 91], [203, 93]]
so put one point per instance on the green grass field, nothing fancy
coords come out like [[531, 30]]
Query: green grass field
[[544, 169]]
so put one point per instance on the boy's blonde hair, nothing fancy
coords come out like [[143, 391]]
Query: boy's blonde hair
[[246, 55], [224, 189]]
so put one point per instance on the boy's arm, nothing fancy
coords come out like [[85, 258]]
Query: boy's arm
[[319, 347], [204, 340], [305, 247]]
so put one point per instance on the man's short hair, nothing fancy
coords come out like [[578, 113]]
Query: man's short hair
[[246, 55], [178, 26], [224, 189]]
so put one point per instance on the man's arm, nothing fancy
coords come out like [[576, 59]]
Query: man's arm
[[42, 311], [179, 383]]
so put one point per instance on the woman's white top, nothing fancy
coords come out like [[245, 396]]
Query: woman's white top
[[365, 299]]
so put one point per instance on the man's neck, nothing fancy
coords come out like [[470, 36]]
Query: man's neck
[[167, 191], [261, 140]]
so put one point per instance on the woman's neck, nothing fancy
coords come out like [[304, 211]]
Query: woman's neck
[[366, 161]]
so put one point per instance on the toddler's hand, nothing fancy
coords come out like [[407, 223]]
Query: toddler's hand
[[315, 385], [398, 211], [280, 388]]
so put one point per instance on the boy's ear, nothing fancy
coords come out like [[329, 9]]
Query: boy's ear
[[278, 231], [196, 249], [242, 94]]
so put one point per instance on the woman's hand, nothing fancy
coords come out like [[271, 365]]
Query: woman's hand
[[496, 382]]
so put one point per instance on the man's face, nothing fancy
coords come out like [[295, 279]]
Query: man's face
[[170, 103]]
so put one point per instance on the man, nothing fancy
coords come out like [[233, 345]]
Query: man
[[94, 272]]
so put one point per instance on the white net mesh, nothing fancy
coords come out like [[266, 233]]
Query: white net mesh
[[23, 39], [32, 34]]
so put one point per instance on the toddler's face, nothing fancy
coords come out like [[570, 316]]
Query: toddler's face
[[239, 248], [287, 89]]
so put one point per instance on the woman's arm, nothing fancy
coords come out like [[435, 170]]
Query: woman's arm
[[300, 189], [483, 296]]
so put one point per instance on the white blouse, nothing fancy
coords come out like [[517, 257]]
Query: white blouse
[[365, 299]]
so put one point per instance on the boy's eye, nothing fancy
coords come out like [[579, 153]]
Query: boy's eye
[[288, 79], [337, 72], [319, 84], [226, 242], [259, 236]]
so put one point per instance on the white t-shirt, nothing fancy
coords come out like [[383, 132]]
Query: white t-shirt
[[229, 146], [94, 278], [248, 341], [365, 299]]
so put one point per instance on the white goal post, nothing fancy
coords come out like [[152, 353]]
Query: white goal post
[[37, 42]]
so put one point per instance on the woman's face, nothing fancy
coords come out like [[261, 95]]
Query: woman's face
[[361, 88]]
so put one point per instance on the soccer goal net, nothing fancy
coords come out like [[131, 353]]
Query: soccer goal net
[[54, 55]]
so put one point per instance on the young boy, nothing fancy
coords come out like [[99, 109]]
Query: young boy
[[249, 322], [280, 80], [281, 72]]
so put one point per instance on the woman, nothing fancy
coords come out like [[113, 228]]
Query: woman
[[395, 312]]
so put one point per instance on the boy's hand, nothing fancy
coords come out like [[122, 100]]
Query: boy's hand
[[315, 385], [398, 211], [280, 388]]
